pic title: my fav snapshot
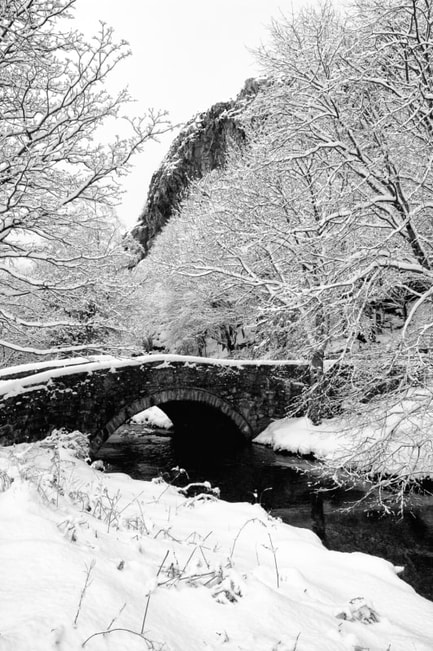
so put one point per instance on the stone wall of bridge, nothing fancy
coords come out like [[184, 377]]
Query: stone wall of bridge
[[98, 398]]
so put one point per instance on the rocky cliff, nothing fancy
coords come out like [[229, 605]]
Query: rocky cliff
[[200, 147]]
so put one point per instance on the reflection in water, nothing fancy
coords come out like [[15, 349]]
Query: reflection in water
[[254, 473]]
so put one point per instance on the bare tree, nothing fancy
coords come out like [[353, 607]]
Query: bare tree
[[58, 180]]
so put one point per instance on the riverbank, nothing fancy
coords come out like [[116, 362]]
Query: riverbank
[[86, 553], [393, 437]]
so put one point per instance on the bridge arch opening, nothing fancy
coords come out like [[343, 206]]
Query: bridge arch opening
[[195, 414]]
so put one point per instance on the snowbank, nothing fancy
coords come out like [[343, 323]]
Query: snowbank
[[390, 438], [300, 436], [85, 552]]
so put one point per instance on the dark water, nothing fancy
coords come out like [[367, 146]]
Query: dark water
[[257, 474]]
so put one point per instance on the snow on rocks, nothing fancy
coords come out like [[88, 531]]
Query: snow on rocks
[[104, 562], [153, 417]]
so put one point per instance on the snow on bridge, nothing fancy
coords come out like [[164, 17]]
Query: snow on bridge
[[97, 395]]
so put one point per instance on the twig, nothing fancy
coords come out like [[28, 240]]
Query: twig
[[150, 592], [116, 616], [148, 642], [163, 561], [204, 556], [274, 553], [189, 558], [240, 531], [83, 591], [145, 612]]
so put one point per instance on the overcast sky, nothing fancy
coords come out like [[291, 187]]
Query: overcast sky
[[187, 55]]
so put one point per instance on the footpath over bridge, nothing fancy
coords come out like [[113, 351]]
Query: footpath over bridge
[[97, 397]]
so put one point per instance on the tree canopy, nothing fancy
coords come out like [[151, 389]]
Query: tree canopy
[[320, 230], [59, 178]]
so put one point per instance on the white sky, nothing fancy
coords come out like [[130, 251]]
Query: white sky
[[187, 55]]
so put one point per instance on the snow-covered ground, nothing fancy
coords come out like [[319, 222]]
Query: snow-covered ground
[[103, 562], [300, 436], [392, 437]]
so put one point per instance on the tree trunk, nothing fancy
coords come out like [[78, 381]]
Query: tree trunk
[[314, 409]]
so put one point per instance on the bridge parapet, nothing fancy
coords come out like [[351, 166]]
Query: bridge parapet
[[97, 397]]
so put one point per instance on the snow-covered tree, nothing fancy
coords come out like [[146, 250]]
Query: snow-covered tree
[[58, 180], [327, 215], [186, 314], [102, 310], [323, 226], [350, 110]]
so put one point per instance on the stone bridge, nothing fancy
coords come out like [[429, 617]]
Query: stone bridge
[[232, 397]]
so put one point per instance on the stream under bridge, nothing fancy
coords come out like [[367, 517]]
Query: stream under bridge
[[97, 396]]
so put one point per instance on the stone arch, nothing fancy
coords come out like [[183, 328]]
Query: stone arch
[[178, 395]]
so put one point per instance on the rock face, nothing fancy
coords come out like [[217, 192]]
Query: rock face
[[200, 147]]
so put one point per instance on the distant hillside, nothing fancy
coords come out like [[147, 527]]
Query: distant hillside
[[200, 147]]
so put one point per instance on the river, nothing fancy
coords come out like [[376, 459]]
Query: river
[[257, 474]]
